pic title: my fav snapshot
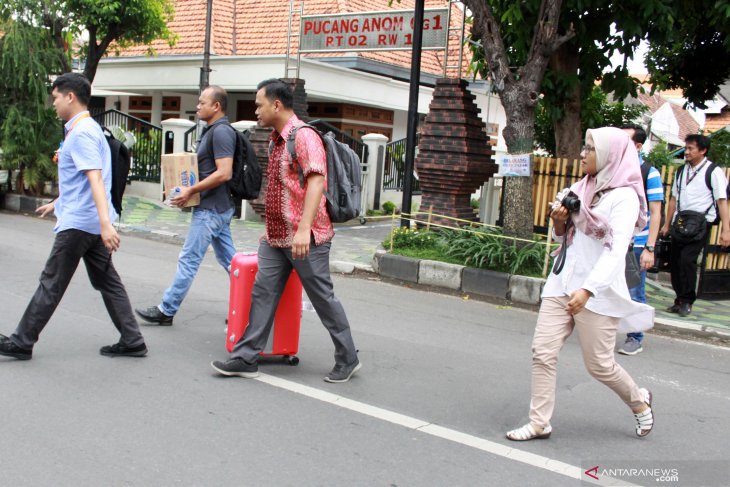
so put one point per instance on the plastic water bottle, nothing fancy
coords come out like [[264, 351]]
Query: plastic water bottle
[[172, 194]]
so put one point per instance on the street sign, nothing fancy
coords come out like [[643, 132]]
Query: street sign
[[372, 31]]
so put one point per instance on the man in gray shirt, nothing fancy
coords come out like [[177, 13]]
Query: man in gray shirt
[[211, 222]]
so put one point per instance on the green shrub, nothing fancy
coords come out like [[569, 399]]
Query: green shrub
[[720, 148], [388, 207], [474, 203], [405, 238], [487, 249], [659, 156]]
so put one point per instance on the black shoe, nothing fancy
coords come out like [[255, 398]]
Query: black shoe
[[685, 309], [236, 367], [119, 350], [673, 308], [154, 315], [9, 349], [342, 373]]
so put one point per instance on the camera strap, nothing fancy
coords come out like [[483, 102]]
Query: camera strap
[[560, 259]]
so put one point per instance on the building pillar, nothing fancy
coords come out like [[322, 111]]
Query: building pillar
[[156, 116], [454, 156], [373, 168]]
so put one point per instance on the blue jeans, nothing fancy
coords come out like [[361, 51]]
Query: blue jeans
[[207, 227], [638, 293]]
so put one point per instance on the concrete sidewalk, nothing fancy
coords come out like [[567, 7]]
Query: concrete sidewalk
[[354, 247]]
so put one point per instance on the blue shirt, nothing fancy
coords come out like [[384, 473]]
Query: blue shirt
[[84, 148], [654, 192]]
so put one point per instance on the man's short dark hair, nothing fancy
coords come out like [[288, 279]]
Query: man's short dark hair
[[639, 136], [220, 95], [75, 83], [702, 141], [276, 89]]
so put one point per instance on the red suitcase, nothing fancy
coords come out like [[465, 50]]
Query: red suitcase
[[284, 338]]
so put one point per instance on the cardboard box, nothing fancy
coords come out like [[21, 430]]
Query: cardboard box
[[180, 169]]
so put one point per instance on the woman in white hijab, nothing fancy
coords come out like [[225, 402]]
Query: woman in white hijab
[[587, 289]]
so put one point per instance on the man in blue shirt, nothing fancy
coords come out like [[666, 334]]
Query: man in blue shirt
[[211, 222], [83, 229], [645, 240]]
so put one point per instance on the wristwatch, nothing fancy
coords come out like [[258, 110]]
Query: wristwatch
[[650, 248]]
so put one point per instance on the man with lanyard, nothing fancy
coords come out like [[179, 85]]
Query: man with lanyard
[[211, 221], [691, 190], [298, 235], [645, 240], [83, 229]]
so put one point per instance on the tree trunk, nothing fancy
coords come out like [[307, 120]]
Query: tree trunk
[[568, 134], [519, 134], [96, 51]]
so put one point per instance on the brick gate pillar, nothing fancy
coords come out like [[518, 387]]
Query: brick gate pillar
[[454, 156]]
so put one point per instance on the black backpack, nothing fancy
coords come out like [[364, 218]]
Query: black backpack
[[344, 175], [245, 184], [708, 183], [121, 162]]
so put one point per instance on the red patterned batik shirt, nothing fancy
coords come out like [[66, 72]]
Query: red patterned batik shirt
[[284, 194]]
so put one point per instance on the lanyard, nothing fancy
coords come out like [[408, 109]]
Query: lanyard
[[60, 145], [694, 172], [80, 118]]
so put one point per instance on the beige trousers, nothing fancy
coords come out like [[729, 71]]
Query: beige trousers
[[597, 338]]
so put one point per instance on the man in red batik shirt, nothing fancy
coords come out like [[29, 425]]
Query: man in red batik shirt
[[298, 235]]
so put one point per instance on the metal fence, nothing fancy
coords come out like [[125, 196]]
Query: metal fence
[[147, 148], [356, 145], [394, 171], [190, 143]]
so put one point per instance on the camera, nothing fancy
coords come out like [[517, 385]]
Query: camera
[[571, 202]]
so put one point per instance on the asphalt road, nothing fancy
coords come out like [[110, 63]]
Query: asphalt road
[[443, 378]]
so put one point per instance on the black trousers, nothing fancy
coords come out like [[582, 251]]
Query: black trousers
[[69, 248], [684, 268]]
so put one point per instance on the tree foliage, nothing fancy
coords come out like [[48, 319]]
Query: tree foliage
[[103, 23], [29, 129], [692, 51], [720, 148], [596, 111], [601, 28]]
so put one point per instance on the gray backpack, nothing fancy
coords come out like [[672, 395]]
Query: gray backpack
[[344, 175]]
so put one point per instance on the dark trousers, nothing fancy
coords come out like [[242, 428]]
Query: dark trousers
[[684, 269], [275, 266], [69, 248]]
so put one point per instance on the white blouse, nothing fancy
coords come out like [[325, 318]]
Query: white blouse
[[595, 268]]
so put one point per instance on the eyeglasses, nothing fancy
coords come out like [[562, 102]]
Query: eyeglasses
[[587, 148]]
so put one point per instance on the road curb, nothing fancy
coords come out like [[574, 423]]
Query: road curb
[[699, 330]]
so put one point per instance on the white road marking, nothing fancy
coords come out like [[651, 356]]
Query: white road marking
[[532, 459]]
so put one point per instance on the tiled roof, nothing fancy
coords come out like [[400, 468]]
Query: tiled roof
[[260, 28], [687, 124]]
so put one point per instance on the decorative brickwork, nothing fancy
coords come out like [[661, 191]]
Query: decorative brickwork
[[260, 141], [454, 155]]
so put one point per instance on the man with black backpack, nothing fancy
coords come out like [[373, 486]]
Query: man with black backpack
[[211, 220], [699, 197], [298, 234], [644, 241], [84, 229]]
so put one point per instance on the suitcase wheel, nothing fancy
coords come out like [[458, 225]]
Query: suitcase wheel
[[292, 360]]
